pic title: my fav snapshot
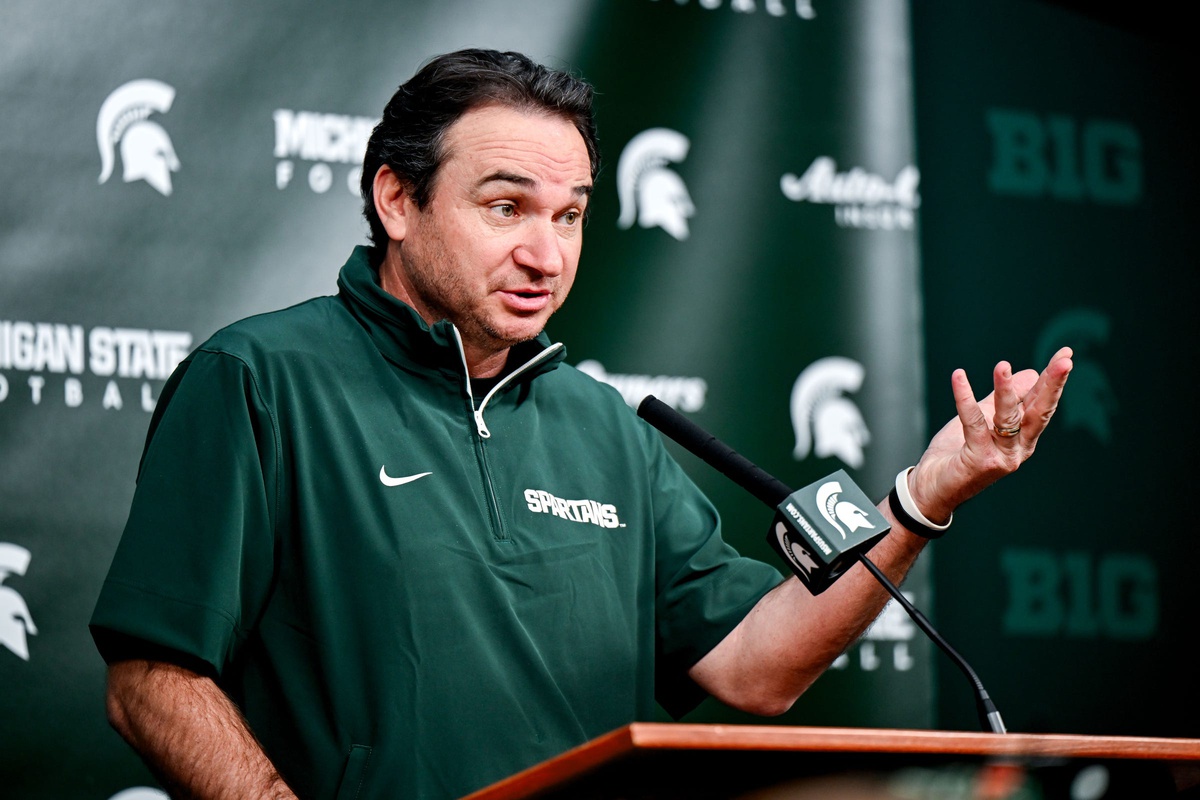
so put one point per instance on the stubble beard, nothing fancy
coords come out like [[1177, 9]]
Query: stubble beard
[[446, 296]]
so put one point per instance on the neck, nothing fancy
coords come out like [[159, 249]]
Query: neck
[[484, 365], [482, 362]]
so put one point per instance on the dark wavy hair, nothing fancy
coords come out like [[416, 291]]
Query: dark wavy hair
[[411, 136]]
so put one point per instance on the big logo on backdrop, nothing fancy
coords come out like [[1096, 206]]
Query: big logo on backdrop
[[146, 150], [1091, 403], [16, 623], [826, 422], [1064, 157], [650, 193]]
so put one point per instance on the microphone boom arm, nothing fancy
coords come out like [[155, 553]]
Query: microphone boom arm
[[772, 492]]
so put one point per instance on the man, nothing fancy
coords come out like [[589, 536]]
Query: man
[[385, 544]]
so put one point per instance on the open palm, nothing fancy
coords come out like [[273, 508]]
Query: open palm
[[989, 438]]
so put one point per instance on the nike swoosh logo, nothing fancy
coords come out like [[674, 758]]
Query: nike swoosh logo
[[387, 480]]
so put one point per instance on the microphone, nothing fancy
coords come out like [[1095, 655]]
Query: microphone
[[819, 531], [797, 536]]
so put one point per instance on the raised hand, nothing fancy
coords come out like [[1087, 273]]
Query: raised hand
[[989, 438]]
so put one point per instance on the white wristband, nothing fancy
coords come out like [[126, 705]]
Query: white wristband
[[910, 507]]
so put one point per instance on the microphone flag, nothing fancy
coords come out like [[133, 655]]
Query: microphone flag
[[818, 529]]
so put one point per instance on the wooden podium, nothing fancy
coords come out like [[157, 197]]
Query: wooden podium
[[654, 761]]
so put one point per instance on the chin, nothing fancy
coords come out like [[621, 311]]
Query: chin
[[523, 335], [521, 330]]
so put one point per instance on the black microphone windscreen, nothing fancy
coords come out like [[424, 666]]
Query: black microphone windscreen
[[713, 451]]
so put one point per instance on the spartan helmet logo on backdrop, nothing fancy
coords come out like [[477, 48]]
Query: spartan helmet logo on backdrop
[[650, 193], [16, 623], [140, 793], [825, 421], [1091, 403], [146, 150]]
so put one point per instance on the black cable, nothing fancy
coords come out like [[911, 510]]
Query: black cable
[[989, 716], [772, 492]]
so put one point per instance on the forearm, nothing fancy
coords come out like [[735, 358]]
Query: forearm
[[189, 732], [790, 637]]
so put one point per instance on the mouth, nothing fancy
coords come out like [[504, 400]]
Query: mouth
[[526, 300]]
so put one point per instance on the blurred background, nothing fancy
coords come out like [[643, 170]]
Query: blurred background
[[810, 213]]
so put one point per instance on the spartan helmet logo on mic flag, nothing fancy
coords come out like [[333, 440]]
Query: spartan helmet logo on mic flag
[[146, 150], [820, 529], [650, 193], [836, 510], [794, 551]]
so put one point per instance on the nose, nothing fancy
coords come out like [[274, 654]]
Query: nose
[[541, 249]]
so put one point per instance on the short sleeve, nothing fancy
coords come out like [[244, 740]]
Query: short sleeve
[[704, 587], [194, 565]]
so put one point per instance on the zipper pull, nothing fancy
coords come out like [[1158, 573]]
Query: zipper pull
[[480, 425]]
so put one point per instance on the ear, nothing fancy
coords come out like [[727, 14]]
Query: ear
[[393, 202]]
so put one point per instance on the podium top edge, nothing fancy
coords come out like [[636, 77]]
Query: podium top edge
[[653, 735], [647, 737]]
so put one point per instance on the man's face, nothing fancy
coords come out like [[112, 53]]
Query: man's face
[[496, 248]]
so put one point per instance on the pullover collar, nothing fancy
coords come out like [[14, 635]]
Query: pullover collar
[[405, 339]]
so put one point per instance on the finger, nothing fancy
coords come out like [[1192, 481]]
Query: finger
[[1063, 352], [1042, 400], [1007, 415], [969, 413], [1030, 383], [1056, 371]]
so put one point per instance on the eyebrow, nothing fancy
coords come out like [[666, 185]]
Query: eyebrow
[[500, 176]]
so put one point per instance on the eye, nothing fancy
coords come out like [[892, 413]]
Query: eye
[[571, 217], [507, 210]]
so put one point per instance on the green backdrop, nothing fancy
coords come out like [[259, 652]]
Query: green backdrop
[[1059, 209], [752, 258]]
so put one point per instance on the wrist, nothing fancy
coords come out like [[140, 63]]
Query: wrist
[[930, 507], [909, 513]]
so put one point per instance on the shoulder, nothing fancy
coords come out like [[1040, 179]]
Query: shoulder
[[274, 349], [596, 404], [578, 386], [304, 326], [258, 359], [275, 328]]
